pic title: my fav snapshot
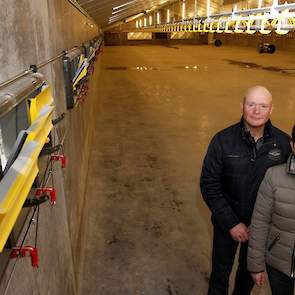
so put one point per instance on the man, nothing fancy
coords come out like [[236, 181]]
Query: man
[[235, 164]]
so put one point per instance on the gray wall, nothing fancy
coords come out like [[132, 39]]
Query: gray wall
[[34, 31]]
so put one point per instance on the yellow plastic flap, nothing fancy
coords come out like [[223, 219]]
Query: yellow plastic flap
[[17, 182]]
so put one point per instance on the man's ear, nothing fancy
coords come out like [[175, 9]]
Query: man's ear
[[292, 146]]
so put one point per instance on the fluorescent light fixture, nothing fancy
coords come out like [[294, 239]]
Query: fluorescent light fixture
[[89, 24], [208, 8], [125, 4], [196, 8], [183, 9], [150, 20], [125, 15], [124, 9], [140, 23], [158, 18], [133, 17], [275, 2], [136, 24], [168, 15], [259, 3], [144, 22]]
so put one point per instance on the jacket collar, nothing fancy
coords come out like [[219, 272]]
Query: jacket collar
[[291, 164], [246, 134]]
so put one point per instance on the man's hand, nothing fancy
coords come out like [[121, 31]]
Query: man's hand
[[258, 278], [240, 233]]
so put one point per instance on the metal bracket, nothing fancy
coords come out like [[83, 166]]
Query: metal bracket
[[34, 68], [51, 150], [58, 119], [32, 202]]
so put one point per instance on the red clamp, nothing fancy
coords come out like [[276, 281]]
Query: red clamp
[[26, 251], [61, 158], [47, 190]]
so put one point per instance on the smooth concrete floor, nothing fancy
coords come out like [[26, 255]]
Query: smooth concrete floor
[[148, 230]]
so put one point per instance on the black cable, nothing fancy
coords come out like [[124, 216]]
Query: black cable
[[22, 244], [37, 226]]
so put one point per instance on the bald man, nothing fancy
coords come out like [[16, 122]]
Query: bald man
[[234, 166]]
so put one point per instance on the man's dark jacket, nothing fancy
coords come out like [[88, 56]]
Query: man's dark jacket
[[234, 168]]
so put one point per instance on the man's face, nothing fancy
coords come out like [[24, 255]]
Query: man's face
[[257, 108]]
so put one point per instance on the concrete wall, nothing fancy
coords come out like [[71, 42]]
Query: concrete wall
[[35, 31]]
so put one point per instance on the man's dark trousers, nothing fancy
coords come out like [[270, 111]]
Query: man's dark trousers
[[280, 283], [223, 256]]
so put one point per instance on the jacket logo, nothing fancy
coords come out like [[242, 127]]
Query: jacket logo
[[274, 154]]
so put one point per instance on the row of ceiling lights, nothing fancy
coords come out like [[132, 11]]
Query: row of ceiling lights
[[280, 18], [140, 23]]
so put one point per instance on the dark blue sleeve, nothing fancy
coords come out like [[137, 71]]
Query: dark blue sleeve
[[211, 187]]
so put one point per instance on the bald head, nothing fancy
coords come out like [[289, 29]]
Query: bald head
[[257, 107], [258, 91]]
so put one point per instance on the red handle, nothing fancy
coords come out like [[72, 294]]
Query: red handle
[[24, 252], [51, 191], [61, 158]]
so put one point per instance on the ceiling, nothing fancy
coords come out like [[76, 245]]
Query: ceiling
[[101, 10]]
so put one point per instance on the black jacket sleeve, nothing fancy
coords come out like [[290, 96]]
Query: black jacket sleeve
[[211, 187]]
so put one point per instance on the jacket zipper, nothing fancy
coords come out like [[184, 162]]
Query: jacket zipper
[[277, 237], [254, 150], [293, 262]]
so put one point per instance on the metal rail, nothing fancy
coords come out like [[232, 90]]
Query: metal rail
[[15, 96], [30, 71], [15, 78], [33, 68]]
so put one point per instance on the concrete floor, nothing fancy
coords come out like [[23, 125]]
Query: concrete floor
[[148, 230]]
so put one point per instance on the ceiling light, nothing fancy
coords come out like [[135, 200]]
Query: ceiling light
[[125, 4]]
